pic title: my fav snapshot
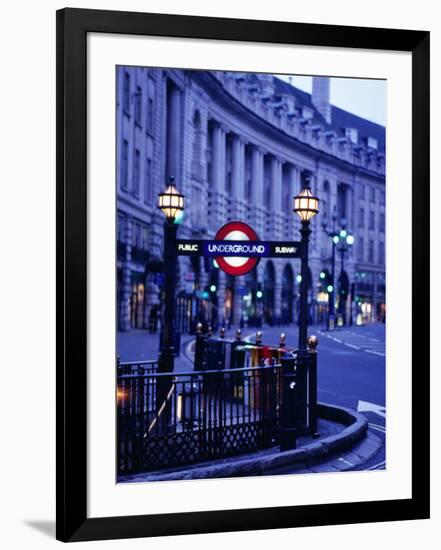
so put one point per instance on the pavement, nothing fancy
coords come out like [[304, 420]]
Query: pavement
[[140, 345], [351, 370]]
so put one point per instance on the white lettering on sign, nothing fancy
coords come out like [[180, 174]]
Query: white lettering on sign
[[224, 248], [187, 247], [285, 249]]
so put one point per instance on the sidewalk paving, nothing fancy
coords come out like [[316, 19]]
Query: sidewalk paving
[[140, 345]]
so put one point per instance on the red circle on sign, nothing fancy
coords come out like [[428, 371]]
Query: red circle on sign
[[221, 235]]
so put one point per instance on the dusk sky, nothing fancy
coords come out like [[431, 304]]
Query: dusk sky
[[363, 97]]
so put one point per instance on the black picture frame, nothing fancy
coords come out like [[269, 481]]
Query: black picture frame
[[72, 28]]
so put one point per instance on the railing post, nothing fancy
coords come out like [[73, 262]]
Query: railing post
[[288, 423], [312, 398], [199, 349], [237, 358]]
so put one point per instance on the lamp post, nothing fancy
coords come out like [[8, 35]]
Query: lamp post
[[171, 202], [294, 371], [306, 207], [344, 240], [331, 292]]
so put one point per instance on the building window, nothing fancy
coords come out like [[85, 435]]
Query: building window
[[144, 237], [372, 194], [136, 235], [381, 253], [341, 201], [148, 182], [382, 198], [150, 106], [362, 191], [124, 165], [372, 220], [136, 166], [361, 249], [382, 222], [352, 134], [371, 252], [372, 143], [138, 98], [361, 218], [196, 166], [126, 92]]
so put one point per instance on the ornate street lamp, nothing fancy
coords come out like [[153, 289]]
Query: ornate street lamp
[[171, 202], [306, 207], [343, 240], [305, 204]]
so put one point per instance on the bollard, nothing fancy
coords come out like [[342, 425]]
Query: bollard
[[209, 331], [258, 338], [282, 340], [222, 332], [238, 335], [199, 349], [312, 397], [288, 420]]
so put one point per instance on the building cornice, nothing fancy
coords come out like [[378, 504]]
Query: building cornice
[[230, 103]]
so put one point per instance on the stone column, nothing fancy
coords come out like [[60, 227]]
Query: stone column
[[126, 289], [238, 175], [173, 132], [349, 208], [294, 178], [257, 204], [276, 197], [218, 174]]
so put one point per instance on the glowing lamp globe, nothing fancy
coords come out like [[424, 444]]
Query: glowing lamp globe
[[171, 202], [306, 205]]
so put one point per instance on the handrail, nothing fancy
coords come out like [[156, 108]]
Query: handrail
[[198, 373], [145, 362]]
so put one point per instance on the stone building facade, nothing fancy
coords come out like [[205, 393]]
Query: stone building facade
[[240, 146]]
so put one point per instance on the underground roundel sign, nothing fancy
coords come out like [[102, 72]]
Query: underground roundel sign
[[236, 231]]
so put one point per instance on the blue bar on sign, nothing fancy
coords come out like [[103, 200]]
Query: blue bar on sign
[[248, 249]]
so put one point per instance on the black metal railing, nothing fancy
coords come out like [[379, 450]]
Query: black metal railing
[[253, 397], [200, 416], [136, 368]]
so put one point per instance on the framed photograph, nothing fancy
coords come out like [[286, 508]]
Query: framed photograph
[[242, 275]]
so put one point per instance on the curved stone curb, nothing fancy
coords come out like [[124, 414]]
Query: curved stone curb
[[258, 464]]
